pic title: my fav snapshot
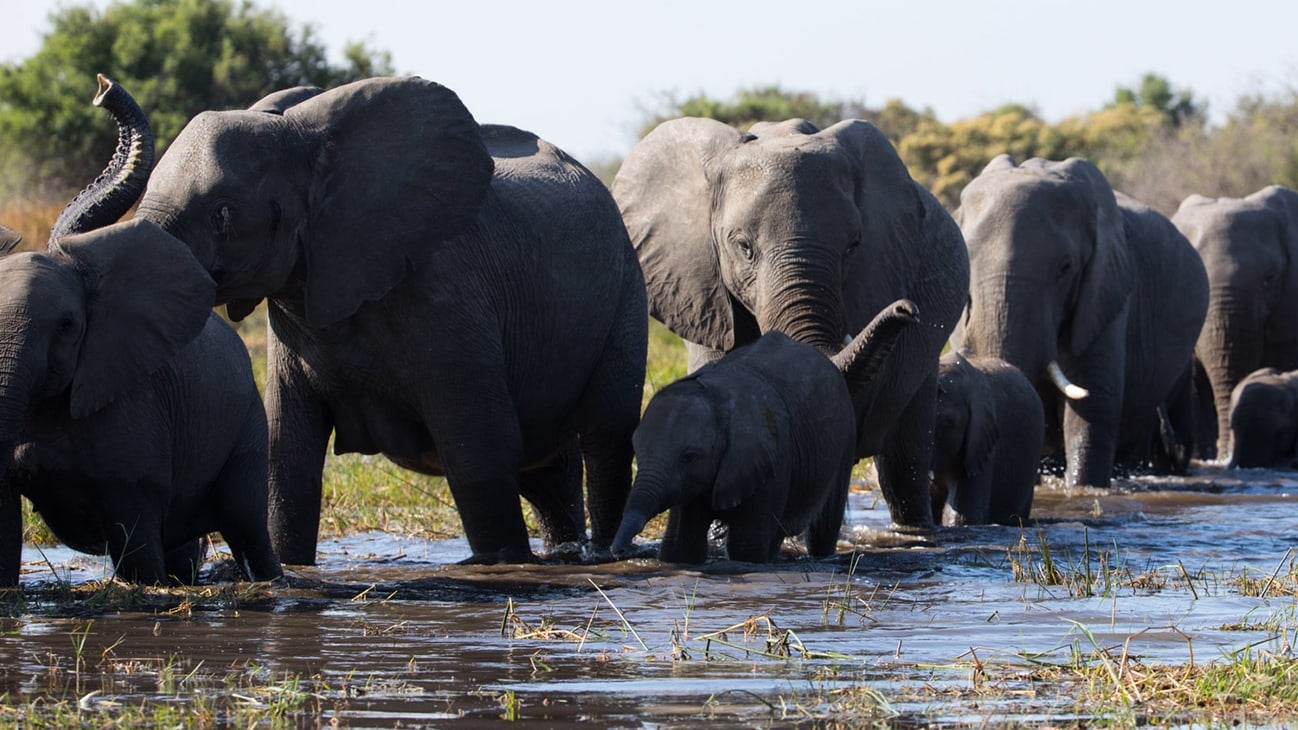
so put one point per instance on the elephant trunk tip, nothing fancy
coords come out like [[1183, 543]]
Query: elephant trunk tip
[[105, 86]]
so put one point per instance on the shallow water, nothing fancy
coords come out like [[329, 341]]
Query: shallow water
[[394, 633]]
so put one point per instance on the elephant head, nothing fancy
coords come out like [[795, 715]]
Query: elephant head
[[1249, 247], [968, 424], [92, 319], [743, 233], [1048, 264], [1263, 424], [323, 200]]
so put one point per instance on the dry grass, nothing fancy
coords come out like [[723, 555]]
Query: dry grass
[[33, 219]]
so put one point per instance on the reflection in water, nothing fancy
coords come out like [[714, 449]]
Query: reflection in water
[[395, 632]]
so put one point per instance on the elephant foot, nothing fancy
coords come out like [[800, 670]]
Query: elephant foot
[[504, 556]]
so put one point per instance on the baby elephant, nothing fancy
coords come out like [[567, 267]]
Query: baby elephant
[[763, 440], [987, 442], [128, 412], [1264, 420]]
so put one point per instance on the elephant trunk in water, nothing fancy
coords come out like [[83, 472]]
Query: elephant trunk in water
[[122, 182], [1230, 347], [805, 306], [649, 497]]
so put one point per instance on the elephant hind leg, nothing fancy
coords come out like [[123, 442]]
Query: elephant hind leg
[[827, 524], [554, 491], [184, 562], [240, 496]]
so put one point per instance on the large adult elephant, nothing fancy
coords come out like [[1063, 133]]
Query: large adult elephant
[[1084, 289], [810, 232], [1250, 249], [460, 298]]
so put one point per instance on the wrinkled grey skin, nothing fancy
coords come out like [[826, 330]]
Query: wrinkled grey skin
[[1065, 270], [1264, 420], [762, 439], [1249, 247], [987, 446], [128, 411], [810, 233], [462, 299]]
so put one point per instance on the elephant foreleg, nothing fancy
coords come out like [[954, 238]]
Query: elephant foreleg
[[299, 436], [686, 537], [904, 460], [11, 533]]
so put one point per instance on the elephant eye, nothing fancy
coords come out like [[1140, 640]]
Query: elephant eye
[[67, 325], [1064, 267], [222, 218], [851, 248], [689, 455], [1266, 280], [745, 247]]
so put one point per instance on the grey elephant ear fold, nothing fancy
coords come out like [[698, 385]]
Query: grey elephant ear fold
[[1284, 202], [748, 459], [1108, 279], [403, 170], [149, 297], [983, 428], [281, 101], [664, 189], [9, 239]]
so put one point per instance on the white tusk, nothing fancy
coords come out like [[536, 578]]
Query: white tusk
[[1061, 381], [847, 340]]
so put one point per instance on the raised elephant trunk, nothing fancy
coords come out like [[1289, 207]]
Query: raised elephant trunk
[[122, 182], [804, 306], [861, 359]]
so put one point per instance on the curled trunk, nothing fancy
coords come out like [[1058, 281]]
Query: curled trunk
[[861, 359], [122, 182]]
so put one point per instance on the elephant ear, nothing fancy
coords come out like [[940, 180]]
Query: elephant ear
[[982, 430], [1284, 202], [403, 169], [665, 192], [1107, 279], [747, 462], [280, 101], [9, 238], [148, 298]]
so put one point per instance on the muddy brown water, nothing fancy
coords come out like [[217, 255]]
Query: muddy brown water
[[391, 633]]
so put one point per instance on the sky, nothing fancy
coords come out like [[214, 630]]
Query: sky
[[584, 74]]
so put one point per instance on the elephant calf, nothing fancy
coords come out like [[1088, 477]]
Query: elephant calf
[[128, 411], [763, 439], [1264, 420], [987, 442]]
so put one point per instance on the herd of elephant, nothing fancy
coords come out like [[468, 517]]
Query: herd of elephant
[[470, 301]]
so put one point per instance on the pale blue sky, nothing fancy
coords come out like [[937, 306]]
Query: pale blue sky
[[578, 72]]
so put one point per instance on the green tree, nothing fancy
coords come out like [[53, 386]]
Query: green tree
[[177, 57], [1155, 92], [759, 104]]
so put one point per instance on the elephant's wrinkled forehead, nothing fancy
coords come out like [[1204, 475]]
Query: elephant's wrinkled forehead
[[32, 278], [216, 148]]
